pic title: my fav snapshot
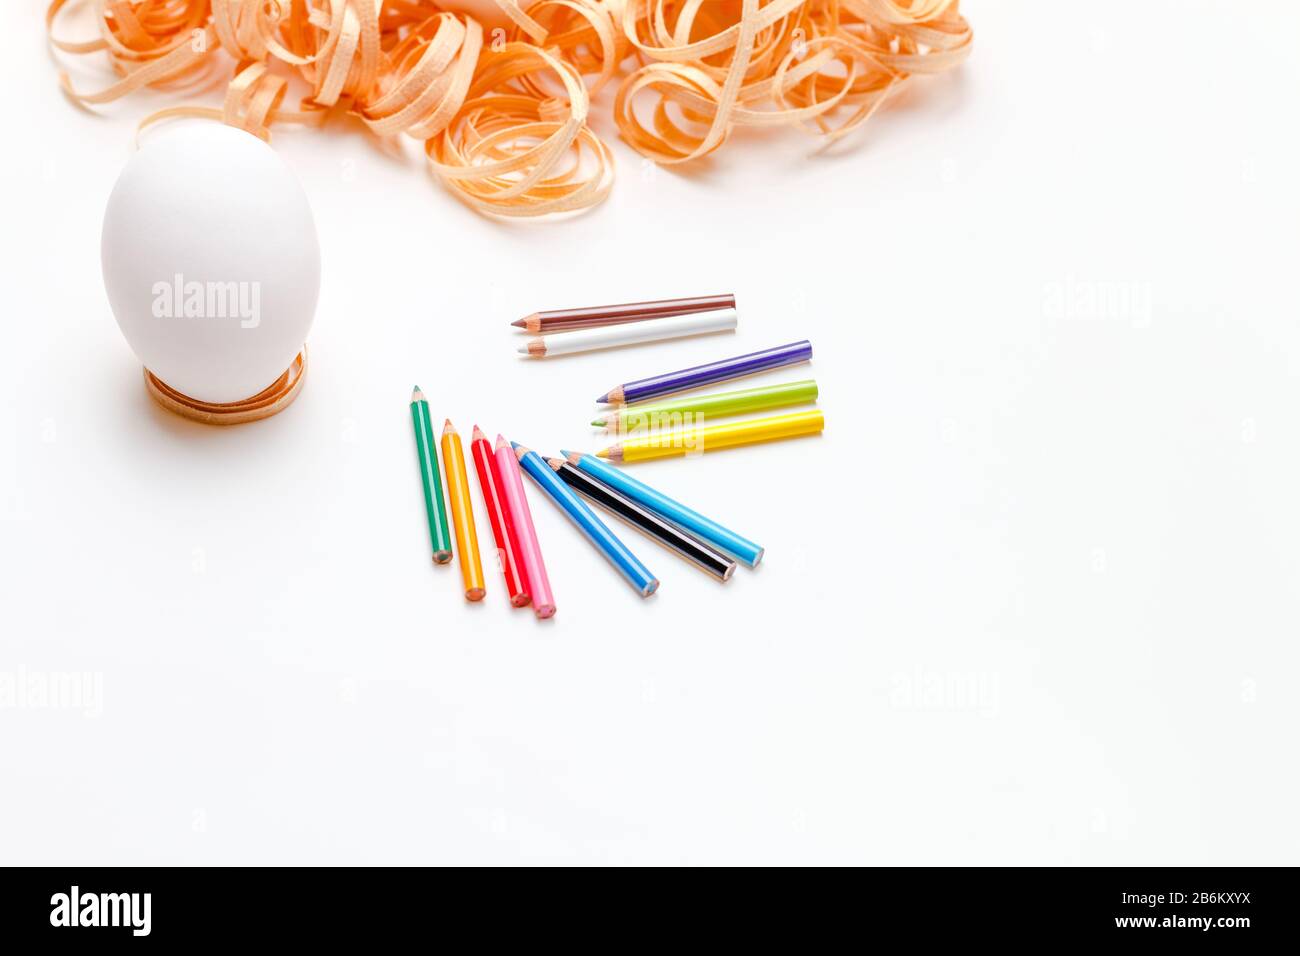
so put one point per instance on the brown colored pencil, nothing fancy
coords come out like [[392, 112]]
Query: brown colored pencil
[[564, 320]]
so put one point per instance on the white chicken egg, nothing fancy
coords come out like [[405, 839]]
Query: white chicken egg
[[211, 261]]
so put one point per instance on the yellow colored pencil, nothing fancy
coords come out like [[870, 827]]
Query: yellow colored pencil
[[462, 514], [692, 441]]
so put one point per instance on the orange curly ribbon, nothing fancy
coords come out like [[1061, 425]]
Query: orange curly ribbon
[[504, 119]]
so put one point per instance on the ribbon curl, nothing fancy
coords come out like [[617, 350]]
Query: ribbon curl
[[504, 122]]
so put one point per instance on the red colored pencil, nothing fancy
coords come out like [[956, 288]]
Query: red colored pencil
[[503, 529]]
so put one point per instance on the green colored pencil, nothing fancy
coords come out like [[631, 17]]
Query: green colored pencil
[[670, 413], [430, 475]]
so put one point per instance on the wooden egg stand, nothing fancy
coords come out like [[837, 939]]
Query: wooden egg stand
[[276, 397]]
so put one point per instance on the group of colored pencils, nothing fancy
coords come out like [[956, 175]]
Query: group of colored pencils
[[570, 482], [574, 482], [655, 427], [566, 331]]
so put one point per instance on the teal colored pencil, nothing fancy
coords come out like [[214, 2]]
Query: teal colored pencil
[[689, 520], [431, 477]]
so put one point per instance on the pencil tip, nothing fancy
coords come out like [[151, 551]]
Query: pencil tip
[[566, 453], [518, 323], [556, 463], [417, 394], [603, 400], [448, 428], [478, 434], [598, 423], [520, 450], [502, 443], [603, 453], [515, 445]]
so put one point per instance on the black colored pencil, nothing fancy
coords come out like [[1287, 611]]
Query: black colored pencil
[[669, 535]]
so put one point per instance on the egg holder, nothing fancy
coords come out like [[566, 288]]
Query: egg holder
[[276, 397]]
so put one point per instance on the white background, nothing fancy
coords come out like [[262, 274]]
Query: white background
[[1031, 599]]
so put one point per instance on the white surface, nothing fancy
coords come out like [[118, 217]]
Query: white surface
[[211, 261], [1030, 599]]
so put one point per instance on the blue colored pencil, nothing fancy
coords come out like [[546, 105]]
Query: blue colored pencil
[[586, 521], [742, 549]]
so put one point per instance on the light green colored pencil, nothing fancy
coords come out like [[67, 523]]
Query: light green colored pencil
[[674, 412]]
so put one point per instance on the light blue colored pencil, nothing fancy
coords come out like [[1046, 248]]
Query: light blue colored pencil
[[742, 549], [605, 541]]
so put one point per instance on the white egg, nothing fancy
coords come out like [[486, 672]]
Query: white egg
[[211, 261]]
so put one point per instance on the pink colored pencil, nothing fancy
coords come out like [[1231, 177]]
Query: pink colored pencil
[[530, 552]]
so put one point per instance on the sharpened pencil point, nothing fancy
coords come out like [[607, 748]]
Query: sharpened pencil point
[[448, 428], [515, 445], [478, 434], [417, 395], [603, 400], [573, 456], [520, 450], [598, 423], [519, 323], [556, 463], [502, 443]]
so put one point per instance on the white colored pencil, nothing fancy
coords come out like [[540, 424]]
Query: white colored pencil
[[651, 330]]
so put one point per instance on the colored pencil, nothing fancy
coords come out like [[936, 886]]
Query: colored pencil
[[722, 370], [462, 514], [689, 441], [724, 539], [673, 412], [631, 333], [644, 520], [585, 520], [503, 529], [434, 509], [530, 552], [563, 320]]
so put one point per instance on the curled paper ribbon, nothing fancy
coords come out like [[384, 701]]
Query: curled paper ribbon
[[777, 63], [503, 117], [509, 151]]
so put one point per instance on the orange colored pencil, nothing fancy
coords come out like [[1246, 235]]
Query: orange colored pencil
[[462, 514]]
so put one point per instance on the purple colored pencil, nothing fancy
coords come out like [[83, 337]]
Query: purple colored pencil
[[720, 371]]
